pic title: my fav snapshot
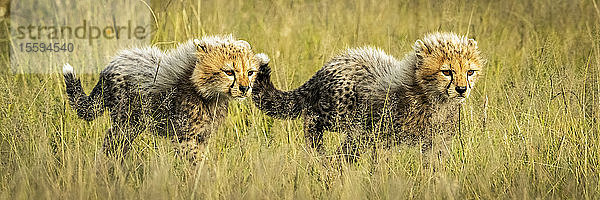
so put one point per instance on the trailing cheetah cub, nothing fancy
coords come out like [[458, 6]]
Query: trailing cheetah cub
[[182, 93], [365, 92]]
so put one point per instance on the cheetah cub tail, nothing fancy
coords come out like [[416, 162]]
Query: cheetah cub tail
[[87, 107], [68, 69], [272, 101]]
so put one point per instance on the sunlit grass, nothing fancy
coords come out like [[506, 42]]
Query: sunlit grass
[[530, 129]]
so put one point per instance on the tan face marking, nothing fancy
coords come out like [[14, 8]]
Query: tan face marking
[[241, 72], [225, 68], [449, 65], [461, 75]]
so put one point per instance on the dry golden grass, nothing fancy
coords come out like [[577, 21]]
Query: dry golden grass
[[530, 129]]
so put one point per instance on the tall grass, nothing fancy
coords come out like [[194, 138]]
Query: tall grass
[[530, 129]]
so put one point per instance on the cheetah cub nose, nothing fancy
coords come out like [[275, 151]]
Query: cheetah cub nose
[[243, 89], [461, 89]]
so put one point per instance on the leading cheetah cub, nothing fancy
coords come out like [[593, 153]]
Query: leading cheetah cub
[[369, 95], [182, 93]]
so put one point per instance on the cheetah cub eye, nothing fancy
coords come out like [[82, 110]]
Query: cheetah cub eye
[[229, 72], [470, 72], [447, 72]]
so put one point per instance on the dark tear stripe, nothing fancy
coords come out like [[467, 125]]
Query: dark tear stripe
[[448, 87], [468, 82], [233, 83]]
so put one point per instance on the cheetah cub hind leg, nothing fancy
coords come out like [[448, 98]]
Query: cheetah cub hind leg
[[191, 149]]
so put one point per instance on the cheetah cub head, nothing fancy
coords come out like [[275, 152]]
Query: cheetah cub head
[[226, 67], [448, 66]]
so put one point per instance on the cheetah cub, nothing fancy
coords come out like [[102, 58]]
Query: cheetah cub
[[181, 93], [369, 95]]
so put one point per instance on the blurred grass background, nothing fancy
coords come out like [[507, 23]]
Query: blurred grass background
[[530, 129]]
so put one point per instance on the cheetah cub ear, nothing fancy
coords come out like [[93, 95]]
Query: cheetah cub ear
[[472, 43], [262, 59], [200, 46], [421, 48], [243, 44]]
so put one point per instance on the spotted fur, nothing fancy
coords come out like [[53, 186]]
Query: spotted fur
[[181, 93], [365, 92]]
